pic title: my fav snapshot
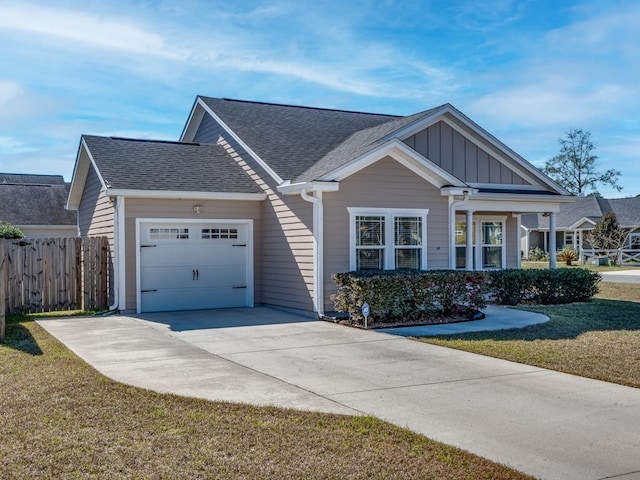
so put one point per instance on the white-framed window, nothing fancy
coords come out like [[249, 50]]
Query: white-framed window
[[168, 233], [634, 240], [386, 239], [488, 242], [219, 233]]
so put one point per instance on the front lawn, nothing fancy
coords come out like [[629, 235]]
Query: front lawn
[[596, 268], [62, 419], [599, 339]]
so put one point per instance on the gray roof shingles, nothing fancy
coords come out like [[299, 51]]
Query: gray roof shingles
[[627, 212], [34, 200], [293, 139], [160, 165]]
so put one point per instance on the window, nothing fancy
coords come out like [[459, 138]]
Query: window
[[488, 242], [492, 244], [169, 233], [634, 240], [387, 239], [219, 233], [461, 244], [568, 239]]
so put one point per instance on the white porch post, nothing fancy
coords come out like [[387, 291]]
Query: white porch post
[[552, 240], [527, 243], [545, 241], [469, 240]]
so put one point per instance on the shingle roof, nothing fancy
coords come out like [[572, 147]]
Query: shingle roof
[[34, 200], [159, 165], [357, 145], [627, 212], [292, 139]]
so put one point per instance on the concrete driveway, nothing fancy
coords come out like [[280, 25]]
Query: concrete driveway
[[624, 276], [545, 423]]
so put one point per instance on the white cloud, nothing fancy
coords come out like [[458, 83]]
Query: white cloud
[[84, 28], [10, 146]]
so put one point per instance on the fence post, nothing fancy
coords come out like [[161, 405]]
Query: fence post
[[4, 280]]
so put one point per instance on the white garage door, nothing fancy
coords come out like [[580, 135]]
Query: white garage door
[[193, 266]]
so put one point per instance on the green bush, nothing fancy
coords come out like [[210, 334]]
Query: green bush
[[538, 255], [396, 296], [511, 287], [9, 231]]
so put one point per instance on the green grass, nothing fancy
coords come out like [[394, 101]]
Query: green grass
[[599, 339], [595, 268], [61, 419]]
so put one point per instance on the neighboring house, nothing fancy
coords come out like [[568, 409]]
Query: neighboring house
[[262, 203], [575, 220], [36, 205]]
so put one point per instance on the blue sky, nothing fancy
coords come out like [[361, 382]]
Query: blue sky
[[527, 71]]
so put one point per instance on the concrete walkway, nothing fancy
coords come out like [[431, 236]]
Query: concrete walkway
[[624, 276], [545, 423]]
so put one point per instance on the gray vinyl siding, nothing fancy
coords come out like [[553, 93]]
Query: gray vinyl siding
[[183, 209], [96, 219], [287, 239], [461, 157], [385, 184]]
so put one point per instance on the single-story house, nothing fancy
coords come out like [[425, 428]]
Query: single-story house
[[262, 203], [36, 205], [575, 220]]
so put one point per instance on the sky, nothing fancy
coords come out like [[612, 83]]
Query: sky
[[526, 71]]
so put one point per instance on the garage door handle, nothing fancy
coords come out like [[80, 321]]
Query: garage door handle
[[193, 275], [243, 286], [239, 244], [147, 291], [147, 246], [197, 274]]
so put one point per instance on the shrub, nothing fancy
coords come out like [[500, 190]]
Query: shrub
[[538, 255], [511, 287], [396, 296], [9, 231], [568, 255]]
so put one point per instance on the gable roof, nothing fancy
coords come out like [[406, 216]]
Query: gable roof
[[590, 208], [34, 200], [298, 144], [129, 164], [291, 139]]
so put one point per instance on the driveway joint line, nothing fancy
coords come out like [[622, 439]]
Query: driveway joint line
[[312, 346], [440, 383], [619, 475]]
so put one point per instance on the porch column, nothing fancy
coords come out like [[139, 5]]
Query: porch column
[[469, 240], [527, 243], [545, 241], [552, 240]]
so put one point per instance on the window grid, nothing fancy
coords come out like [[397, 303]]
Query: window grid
[[169, 233], [219, 233], [408, 242], [370, 242]]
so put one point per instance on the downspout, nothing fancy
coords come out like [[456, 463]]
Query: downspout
[[118, 249], [452, 227], [318, 249], [116, 214]]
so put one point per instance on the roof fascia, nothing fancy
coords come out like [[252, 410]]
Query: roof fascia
[[528, 170], [188, 195], [527, 197], [246, 147], [403, 154], [582, 220], [195, 117], [79, 178]]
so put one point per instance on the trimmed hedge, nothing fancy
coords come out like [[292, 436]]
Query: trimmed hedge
[[397, 296], [563, 285], [409, 296]]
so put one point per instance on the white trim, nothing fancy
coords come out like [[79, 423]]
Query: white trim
[[296, 188], [192, 115], [506, 186], [176, 194], [477, 241], [120, 251], [84, 171], [403, 154], [519, 240], [318, 249], [250, 247], [389, 247], [246, 147], [516, 205], [582, 220]]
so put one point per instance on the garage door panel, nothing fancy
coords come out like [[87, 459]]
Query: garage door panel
[[216, 253]]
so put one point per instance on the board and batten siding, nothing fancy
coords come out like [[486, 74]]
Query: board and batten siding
[[287, 222], [461, 157], [96, 216], [385, 184], [183, 209]]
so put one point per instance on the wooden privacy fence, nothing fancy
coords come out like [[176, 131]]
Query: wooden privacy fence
[[53, 274]]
